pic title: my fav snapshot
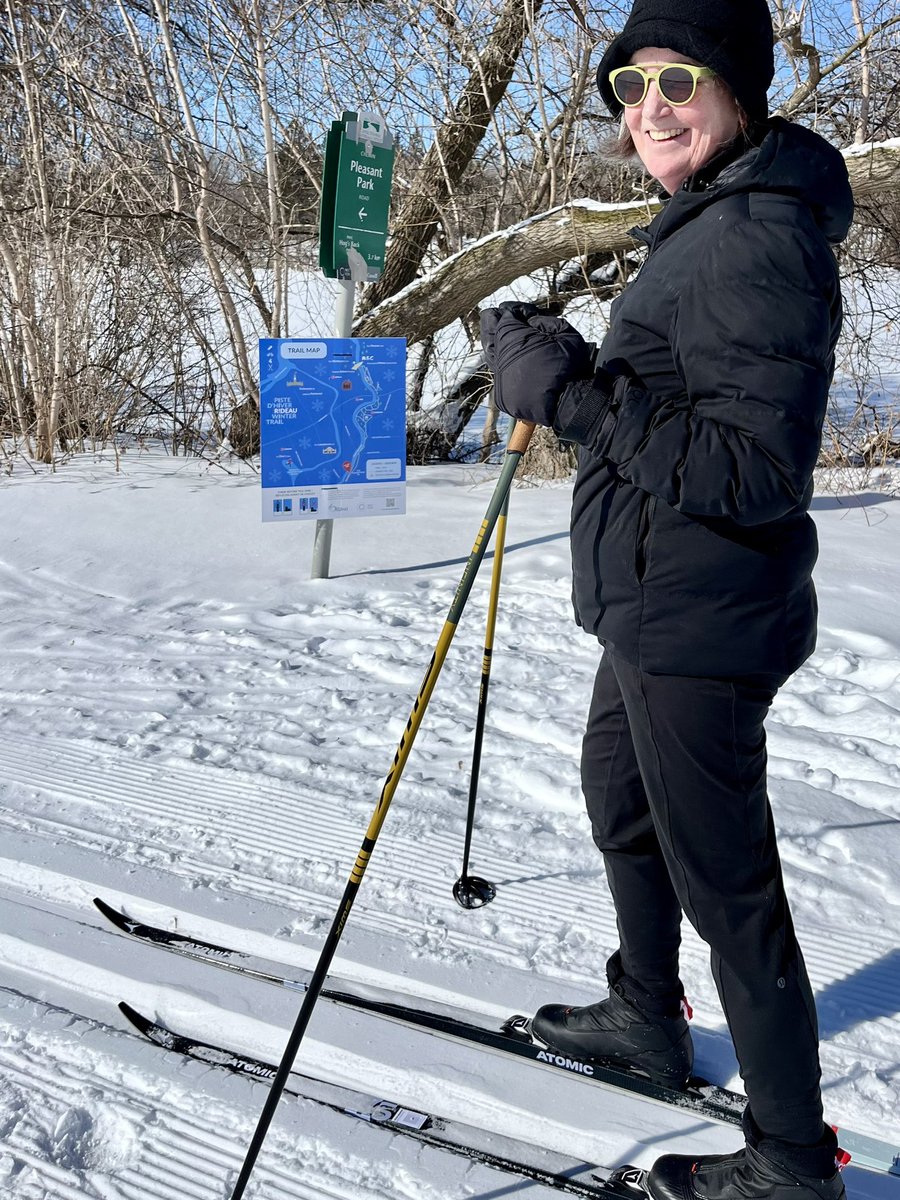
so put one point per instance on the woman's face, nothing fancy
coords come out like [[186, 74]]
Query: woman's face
[[674, 141]]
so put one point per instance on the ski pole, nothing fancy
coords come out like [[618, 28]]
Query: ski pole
[[518, 444], [470, 891]]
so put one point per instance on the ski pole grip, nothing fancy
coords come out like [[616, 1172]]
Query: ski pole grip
[[520, 437]]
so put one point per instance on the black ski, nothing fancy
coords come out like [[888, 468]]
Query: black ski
[[512, 1037], [507, 1154]]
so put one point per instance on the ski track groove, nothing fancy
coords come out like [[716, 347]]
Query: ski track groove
[[541, 908], [184, 1159], [408, 857]]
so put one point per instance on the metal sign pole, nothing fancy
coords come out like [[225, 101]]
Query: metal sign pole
[[343, 328], [321, 560], [353, 221]]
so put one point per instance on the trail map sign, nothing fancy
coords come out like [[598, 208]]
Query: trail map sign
[[333, 427], [356, 196]]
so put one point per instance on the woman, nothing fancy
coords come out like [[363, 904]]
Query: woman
[[692, 555]]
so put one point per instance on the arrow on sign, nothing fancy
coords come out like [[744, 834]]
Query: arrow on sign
[[362, 214]]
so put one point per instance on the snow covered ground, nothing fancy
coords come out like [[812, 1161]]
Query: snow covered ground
[[194, 730]]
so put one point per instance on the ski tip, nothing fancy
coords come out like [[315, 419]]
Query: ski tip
[[114, 915], [138, 1020]]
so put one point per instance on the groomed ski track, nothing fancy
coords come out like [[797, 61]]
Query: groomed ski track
[[704, 1101], [62, 951], [144, 1135], [199, 819], [188, 725]]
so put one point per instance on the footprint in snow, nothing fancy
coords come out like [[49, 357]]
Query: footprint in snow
[[104, 1142]]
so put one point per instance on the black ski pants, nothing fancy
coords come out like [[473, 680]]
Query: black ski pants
[[674, 775]]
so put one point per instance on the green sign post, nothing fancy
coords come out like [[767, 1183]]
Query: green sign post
[[356, 195], [353, 226]]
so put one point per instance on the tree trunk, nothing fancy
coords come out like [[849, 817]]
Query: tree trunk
[[489, 435], [452, 151], [862, 125], [201, 201]]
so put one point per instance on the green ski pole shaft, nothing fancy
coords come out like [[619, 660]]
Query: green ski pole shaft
[[518, 444]]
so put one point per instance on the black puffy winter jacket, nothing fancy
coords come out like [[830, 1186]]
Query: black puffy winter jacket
[[692, 548]]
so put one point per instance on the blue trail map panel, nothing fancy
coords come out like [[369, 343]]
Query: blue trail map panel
[[332, 427]]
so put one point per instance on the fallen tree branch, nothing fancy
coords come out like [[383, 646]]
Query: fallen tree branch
[[460, 282], [573, 230]]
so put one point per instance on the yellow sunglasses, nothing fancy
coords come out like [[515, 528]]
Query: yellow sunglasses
[[677, 83]]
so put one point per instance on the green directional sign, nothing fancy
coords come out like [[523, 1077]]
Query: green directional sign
[[356, 196]]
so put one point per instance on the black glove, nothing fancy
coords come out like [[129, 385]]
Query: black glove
[[533, 355]]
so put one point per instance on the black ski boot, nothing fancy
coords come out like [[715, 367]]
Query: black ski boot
[[618, 1032], [765, 1169]]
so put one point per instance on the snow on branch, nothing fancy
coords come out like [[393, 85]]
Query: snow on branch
[[457, 285], [573, 230]]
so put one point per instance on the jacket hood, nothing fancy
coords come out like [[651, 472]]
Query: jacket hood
[[790, 160]]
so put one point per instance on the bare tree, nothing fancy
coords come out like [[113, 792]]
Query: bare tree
[[865, 90], [454, 145], [160, 168], [46, 373]]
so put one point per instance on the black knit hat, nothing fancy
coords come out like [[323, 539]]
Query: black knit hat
[[733, 37]]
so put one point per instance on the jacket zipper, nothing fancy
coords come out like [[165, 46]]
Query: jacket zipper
[[642, 541]]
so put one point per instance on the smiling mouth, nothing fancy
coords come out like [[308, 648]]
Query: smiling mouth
[[664, 135]]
